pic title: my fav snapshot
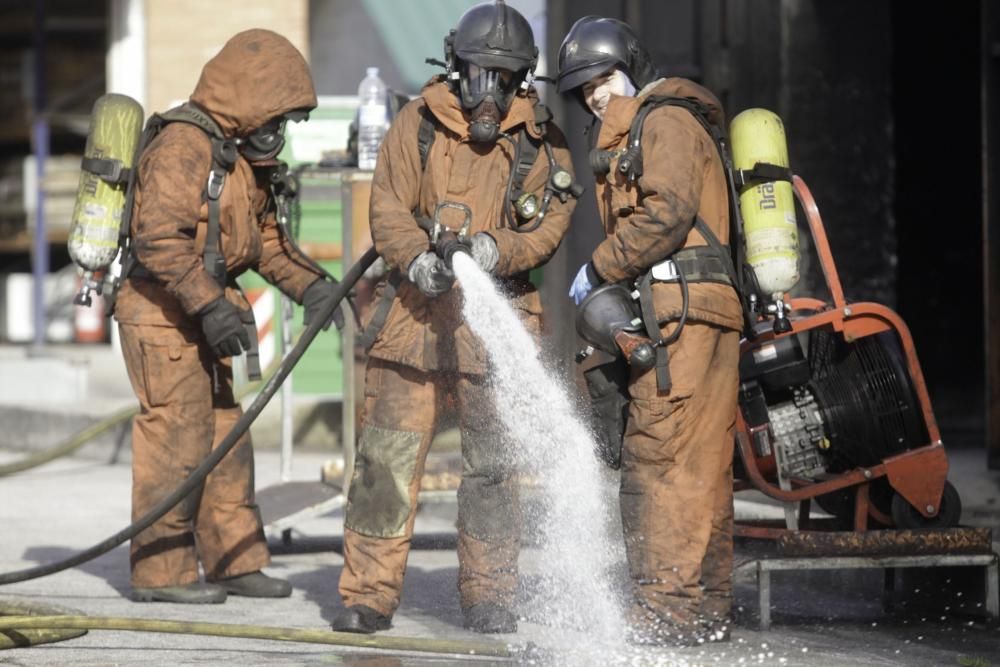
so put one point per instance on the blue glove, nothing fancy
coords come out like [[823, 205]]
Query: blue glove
[[586, 279]]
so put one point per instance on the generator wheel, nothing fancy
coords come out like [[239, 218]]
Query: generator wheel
[[904, 515], [841, 503]]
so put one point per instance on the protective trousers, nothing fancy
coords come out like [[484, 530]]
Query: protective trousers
[[402, 406], [676, 483], [181, 420]]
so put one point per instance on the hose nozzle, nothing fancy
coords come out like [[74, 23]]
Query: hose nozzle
[[448, 244], [445, 240]]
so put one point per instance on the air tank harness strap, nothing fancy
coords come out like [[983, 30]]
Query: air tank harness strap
[[762, 172], [377, 321], [525, 153], [223, 160], [224, 155], [112, 172], [651, 323], [699, 264]]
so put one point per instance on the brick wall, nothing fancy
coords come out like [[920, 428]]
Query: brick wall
[[181, 35]]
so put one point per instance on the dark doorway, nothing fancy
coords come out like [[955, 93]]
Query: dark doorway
[[938, 208]]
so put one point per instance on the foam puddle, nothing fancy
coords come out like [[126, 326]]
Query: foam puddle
[[578, 554]]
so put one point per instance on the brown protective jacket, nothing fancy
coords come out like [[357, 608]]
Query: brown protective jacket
[[256, 76], [682, 177], [430, 334]]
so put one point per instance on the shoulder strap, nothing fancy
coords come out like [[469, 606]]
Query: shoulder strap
[[128, 260], [224, 155], [223, 160], [527, 154], [187, 113], [377, 321], [425, 135], [743, 280]]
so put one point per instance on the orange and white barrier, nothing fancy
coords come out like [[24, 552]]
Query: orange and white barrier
[[264, 301]]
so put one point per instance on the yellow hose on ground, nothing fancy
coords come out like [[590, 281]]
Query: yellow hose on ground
[[13, 625], [34, 636], [81, 438]]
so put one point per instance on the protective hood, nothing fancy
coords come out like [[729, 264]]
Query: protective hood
[[445, 106], [621, 110], [257, 76]]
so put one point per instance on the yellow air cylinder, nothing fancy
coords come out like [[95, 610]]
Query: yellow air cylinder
[[768, 207], [115, 128]]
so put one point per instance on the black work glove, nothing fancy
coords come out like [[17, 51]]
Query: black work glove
[[430, 274], [317, 298], [223, 328]]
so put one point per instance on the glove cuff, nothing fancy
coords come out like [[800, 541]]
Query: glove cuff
[[312, 285], [593, 276], [212, 306]]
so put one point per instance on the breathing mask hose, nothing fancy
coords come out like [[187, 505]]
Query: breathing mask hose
[[199, 474], [516, 145], [682, 320]]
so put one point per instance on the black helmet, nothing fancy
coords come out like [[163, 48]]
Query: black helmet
[[490, 37], [595, 45]]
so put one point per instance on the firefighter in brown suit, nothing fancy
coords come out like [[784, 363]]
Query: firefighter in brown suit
[[421, 349], [180, 321], [676, 475]]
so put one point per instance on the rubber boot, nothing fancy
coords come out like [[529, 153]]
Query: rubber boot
[[256, 585], [195, 593], [361, 619], [490, 618]]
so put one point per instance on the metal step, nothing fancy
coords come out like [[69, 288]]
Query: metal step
[[285, 504]]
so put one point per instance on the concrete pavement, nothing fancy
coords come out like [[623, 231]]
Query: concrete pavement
[[821, 619]]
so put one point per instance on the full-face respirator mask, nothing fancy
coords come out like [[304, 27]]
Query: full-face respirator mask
[[265, 143], [486, 94]]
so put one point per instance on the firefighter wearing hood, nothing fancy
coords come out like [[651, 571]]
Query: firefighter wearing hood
[[180, 324], [452, 152], [676, 468]]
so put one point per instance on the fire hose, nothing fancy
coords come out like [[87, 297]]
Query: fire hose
[[199, 474], [30, 629], [27, 624]]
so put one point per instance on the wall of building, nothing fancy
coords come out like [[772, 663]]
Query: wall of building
[[181, 35]]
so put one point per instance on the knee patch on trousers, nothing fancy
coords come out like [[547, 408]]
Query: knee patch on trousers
[[378, 503], [487, 496]]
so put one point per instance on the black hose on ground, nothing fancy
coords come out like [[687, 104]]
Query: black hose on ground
[[212, 460]]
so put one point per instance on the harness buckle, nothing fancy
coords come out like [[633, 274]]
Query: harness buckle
[[215, 182], [665, 271]]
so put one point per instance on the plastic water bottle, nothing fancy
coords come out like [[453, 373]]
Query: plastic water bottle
[[371, 118]]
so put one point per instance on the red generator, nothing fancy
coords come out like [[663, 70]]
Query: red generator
[[836, 410]]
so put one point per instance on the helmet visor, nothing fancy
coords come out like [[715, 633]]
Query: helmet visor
[[477, 83]]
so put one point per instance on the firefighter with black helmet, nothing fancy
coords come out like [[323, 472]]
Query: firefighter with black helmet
[[662, 194], [474, 155]]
